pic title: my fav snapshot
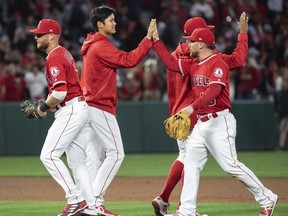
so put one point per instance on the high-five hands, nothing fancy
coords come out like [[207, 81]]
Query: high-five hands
[[151, 28], [155, 32], [152, 32]]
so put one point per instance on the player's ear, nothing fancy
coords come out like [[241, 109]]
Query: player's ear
[[202, 45], [100, 24]]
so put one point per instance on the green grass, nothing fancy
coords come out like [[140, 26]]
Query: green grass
[[264, 164], [26, 208]]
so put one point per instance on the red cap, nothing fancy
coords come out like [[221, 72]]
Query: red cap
[[194, 23], [46, 26], [202, 35]]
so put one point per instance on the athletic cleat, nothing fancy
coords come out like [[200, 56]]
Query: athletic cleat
[[105, 212], [73, 209], [160, 207], [91, 212], [268, 210], [176, 213]]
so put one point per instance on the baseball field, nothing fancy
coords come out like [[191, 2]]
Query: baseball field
[[26, 189]]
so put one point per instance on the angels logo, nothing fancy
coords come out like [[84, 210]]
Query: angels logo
[[54, 71], [218, 72]]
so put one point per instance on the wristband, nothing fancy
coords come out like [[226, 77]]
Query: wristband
[[44, 107]]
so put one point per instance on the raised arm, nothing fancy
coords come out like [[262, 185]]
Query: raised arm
[[115, 58], [169, 61], [238, 57], [183, 66]]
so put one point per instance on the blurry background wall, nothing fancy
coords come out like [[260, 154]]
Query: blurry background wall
[[141, 126]]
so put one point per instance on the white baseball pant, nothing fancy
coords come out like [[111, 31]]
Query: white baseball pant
[[67, 134], [216, 136], [109, 145]]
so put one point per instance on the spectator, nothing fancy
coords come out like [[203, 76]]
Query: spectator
[[2, 84], [15, 83], [36, 83], [249, 79], [29, 56], [272, 74], [131, 87], [267, 27], [5, 47], [281, 101], [75, 19], [151, 80], [274, 7], [202, 8]]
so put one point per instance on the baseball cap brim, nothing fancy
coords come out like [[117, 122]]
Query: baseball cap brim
[[189, 38], [210, 26], [38, 31]]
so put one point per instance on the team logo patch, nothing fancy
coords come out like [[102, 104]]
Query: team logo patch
[[54, 71], [218, 72]]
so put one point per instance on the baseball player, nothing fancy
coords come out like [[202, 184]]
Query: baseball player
[[101, 59], [71, 115], [180, 95], [215, 131]]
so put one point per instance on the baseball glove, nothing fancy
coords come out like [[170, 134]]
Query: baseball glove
[[178, 126], [30, 109]]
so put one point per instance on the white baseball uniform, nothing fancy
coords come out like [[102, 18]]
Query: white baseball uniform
[[67, 133], [215, 133]]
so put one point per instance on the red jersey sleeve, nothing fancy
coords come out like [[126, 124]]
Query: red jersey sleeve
[[115, 58], [238, 57], [55, 69], [183, 66], [209, 95], [169, 61], [219, 73]]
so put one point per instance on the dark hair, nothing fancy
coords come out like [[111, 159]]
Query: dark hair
[[100, 14], [211, 47]]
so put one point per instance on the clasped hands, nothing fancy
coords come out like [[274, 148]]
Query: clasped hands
[[152, 33]]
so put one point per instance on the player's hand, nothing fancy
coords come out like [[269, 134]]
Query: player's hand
[[243, 23], [53, 109], [40, 113], [155, 33], [189, 110], [151, 29]]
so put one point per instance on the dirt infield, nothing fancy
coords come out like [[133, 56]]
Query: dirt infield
[[139, 189]]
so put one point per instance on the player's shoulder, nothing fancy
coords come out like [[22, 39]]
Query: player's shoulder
[[217, 58], [216, 62], [56, 53]]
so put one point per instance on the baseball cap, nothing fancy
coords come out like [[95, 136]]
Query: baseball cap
[[194, 23], [46, 26], [202, 35]]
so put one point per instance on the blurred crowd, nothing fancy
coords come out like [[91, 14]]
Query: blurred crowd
[[22, 65]]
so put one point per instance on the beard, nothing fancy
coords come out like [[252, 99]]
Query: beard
[[194, 54], [42, 46]]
